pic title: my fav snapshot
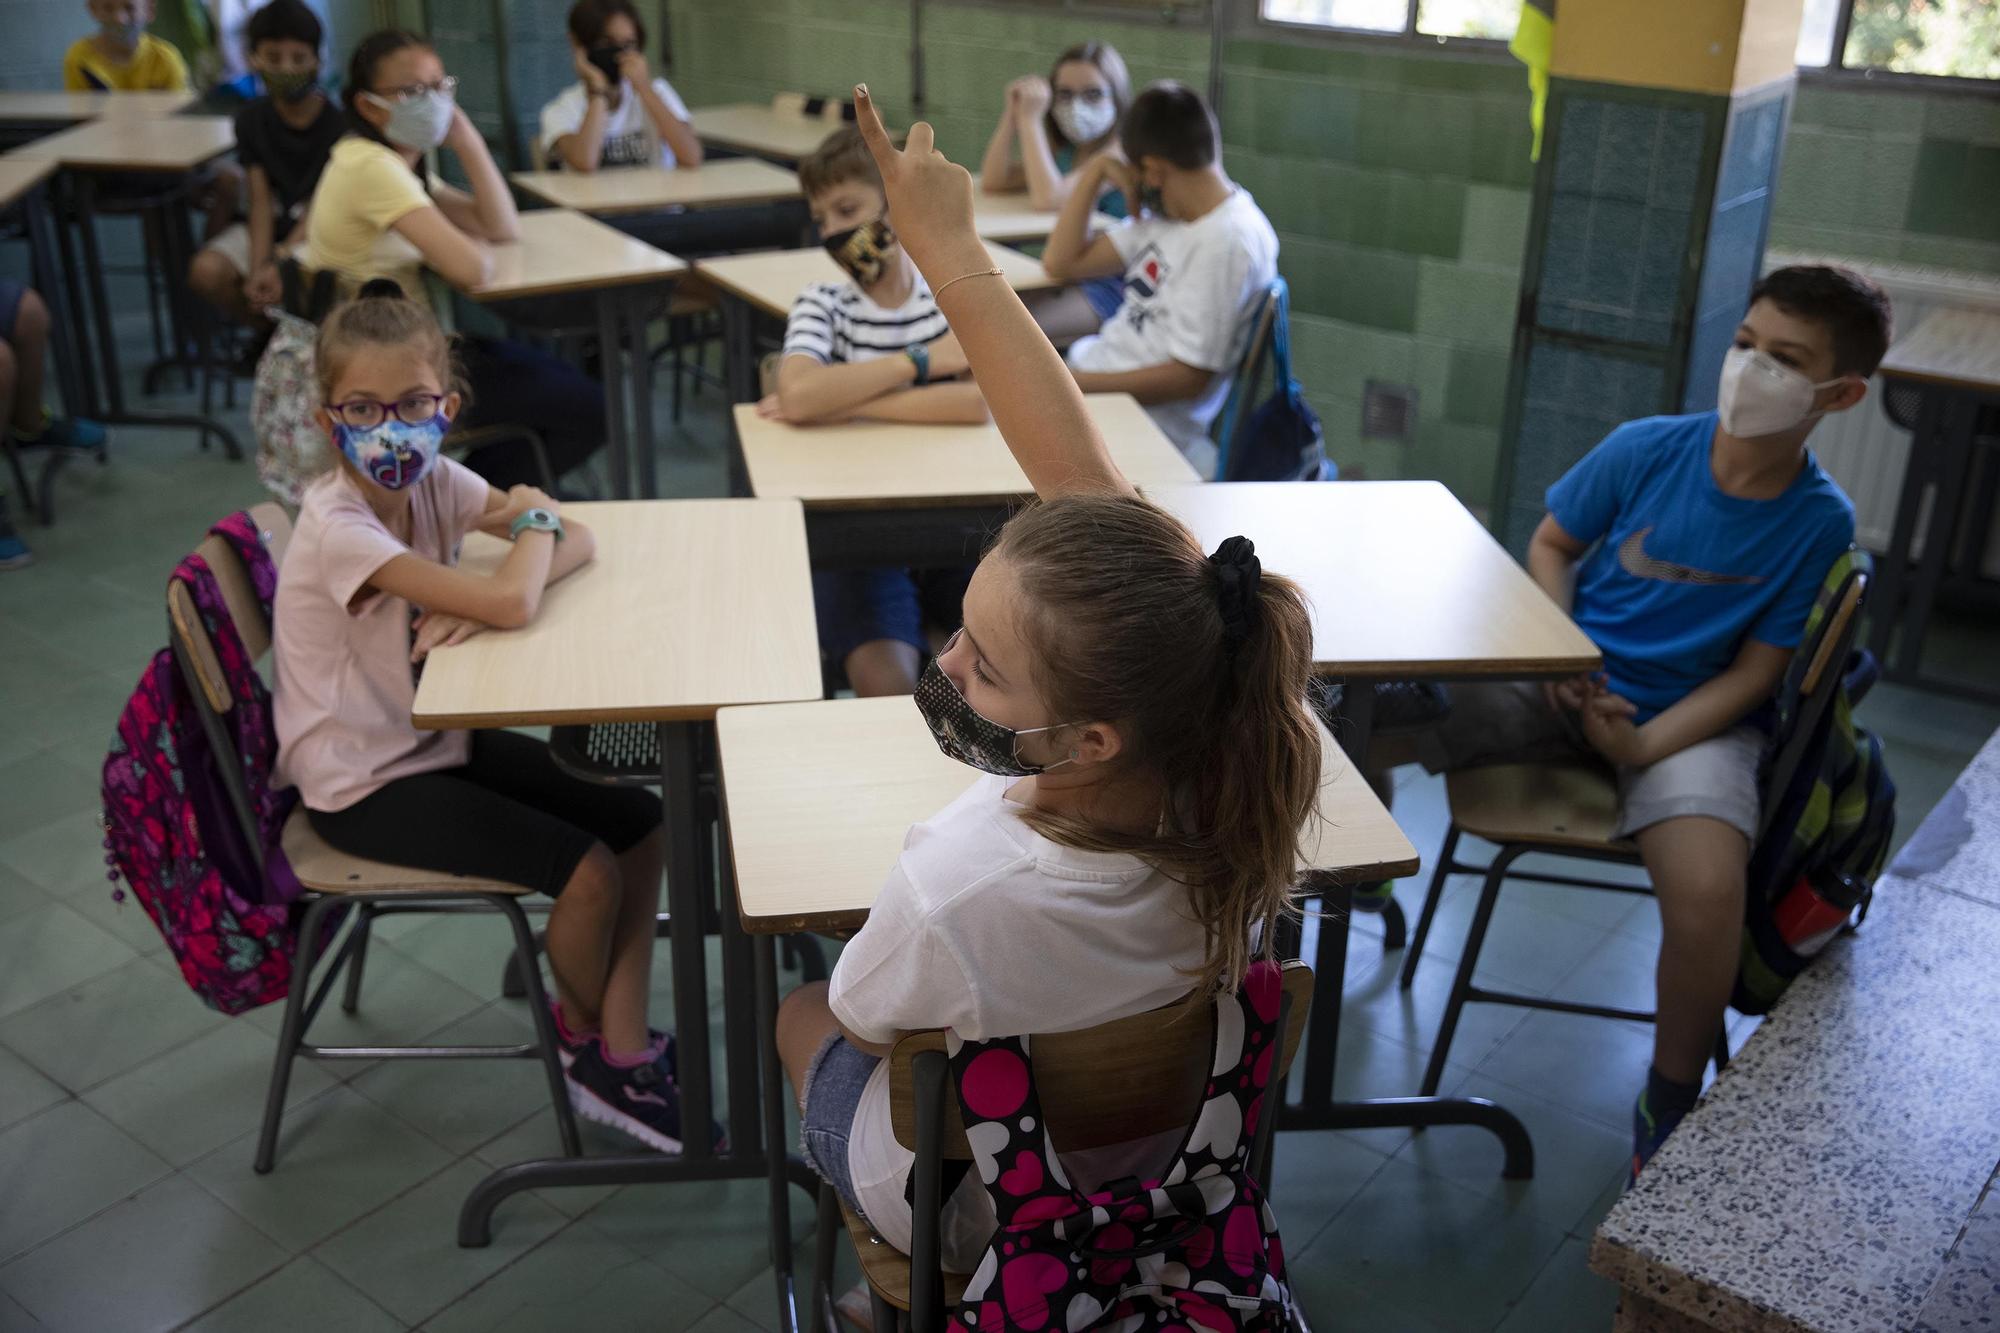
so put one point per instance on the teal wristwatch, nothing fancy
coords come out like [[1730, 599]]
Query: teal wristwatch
[[538, 520], [920, 357]]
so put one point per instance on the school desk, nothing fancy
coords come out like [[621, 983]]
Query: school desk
[[166, 151], [26, 115], [603, 194], [766, 284], [689, 606], [1012, 218], [1942, 381], [24, 186], [750, 127], [818, 798], [880, 492], [560, 253]]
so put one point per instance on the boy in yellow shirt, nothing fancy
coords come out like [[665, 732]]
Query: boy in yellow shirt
[[121, 56]]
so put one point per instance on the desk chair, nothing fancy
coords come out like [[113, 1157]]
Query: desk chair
[[1124, 1080], [333, 880], [1570, 809]]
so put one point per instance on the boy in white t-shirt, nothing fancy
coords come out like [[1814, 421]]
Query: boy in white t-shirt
[[1196, 255], [872, 345], [618, 115]]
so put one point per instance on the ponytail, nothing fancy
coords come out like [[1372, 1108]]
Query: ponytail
[[1203, 663]]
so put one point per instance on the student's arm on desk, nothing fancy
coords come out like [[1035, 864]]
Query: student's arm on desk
[[1034, 401], [932, 404], [488, 212], [811, 392], [454, 256], [1168, 382]]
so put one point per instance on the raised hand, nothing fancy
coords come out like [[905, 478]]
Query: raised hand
[[930, 197], [1032, 95]]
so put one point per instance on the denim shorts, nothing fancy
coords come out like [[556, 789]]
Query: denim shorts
[[834, 1081], [857, 606]]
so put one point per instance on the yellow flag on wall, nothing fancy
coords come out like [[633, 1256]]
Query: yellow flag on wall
[[1534, 44]]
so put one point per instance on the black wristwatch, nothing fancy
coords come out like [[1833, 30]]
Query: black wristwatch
[[920, 357]]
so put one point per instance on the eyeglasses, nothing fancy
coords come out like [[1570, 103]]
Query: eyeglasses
[[1087, 96], [444, 87], [615, 48], [412, 409]]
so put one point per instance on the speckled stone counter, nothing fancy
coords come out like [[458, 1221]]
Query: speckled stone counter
[[1832, 1179]]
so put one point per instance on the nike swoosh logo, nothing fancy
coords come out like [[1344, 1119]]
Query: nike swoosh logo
[[1632, 558]]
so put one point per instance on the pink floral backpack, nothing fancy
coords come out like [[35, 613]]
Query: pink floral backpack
[[173, 827], [1195, 1251]]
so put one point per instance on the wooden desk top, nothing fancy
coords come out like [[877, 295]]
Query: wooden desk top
[[137, 143], [690, 605], [771, 280], [882, 465], [560, 251], [754, 128], [1403, 580], [1956, 348], [56, 108], [820, 796], [1011, 219], [737, 180], [18, 175]]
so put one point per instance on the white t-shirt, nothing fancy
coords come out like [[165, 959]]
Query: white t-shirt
[[992, 930], [629, 137], [836, 322], [1189, 288]]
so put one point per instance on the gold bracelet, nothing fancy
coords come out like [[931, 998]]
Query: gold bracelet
[[995, 272]]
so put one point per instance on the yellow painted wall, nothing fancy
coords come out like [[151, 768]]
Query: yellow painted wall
[[1706, 46]]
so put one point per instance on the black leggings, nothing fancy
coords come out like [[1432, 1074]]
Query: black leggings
[[509, 815]]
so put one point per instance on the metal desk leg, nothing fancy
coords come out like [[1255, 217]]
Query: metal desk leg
[[100, 301], [610, 347], [639, 307], [687, 903], [778, 1176], [741, 1033], [739, 341], [1886, 599], [92, 403], [1336, 908], [54, 284], [1957, 424]]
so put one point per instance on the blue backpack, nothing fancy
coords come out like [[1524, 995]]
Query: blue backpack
[[1281, 440]]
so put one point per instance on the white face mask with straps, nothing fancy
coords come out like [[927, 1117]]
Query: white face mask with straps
[[1760, 395]]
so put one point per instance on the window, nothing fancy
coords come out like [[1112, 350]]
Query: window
[[1487, 19], [1955, 38]]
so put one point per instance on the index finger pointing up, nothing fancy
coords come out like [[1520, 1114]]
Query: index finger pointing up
[[869, 122]]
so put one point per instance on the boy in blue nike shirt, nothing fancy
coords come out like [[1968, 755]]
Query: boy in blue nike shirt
[[1690, 549]]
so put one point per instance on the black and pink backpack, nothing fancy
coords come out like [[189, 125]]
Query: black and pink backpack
[[1194, 1251], [173, 828]]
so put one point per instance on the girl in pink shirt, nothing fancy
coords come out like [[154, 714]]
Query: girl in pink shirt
[[369, 586]]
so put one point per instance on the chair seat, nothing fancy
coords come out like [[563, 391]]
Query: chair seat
[[888, 1268], [1565, 804], [324, 870]]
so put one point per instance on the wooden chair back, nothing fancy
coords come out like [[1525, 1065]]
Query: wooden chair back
[[233, 581], [1123, 1080]]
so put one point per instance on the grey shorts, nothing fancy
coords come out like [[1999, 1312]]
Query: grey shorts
[[832, 1094], [1511, 722]]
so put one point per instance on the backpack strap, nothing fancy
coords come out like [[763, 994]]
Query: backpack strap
[[245, 538], [1281, 338]]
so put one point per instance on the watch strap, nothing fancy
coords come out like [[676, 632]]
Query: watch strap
[[920, 357]]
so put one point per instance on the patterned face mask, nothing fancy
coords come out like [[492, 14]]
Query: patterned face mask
[[393, 455], [862, 252], [965, 734]]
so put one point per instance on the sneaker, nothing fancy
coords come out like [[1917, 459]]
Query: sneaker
[[569, 1043], [643, 1100], [74, 435], [14, 553], [1654, 1116], [1374, 897]]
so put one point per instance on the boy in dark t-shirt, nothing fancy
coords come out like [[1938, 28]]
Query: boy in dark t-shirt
[[282, 139]]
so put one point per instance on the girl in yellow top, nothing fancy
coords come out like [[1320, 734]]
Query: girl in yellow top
[[121, 56]]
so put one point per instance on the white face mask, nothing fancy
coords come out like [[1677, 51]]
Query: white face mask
[[1085, 122], [418, 123], [1761, 396]]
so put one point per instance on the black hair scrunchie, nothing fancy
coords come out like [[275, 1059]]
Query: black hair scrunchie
[[1238, 573]]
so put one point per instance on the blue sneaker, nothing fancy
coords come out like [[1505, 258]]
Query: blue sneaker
[[643, 1100], [74, 435], [14, 553], [569, 1043], [1658, 1112]]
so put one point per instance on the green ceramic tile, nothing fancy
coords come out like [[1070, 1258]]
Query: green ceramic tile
[[722, 1319], [1565, 1294], [47, 950], [339, 1157], [1937, 199], [1463, 457], [1299, 118], [61, 1166], [1874, 111], [154, 1260], [714, 1235], [1496, 225], [1477, 393], [401, 1002], [1377, 288], [1499, 144], [1950, 252], [461, 1104], [1969, 119], [577, 1278], [301, 1295], [405, 1256], [24, 1090], [1466, 304], [98, 1028], [1313, 1178], [187, 1103], [1592, 1066], [41, 788], [19, 894]]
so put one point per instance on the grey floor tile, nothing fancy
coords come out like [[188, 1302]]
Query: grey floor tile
[[62, 1165], [406, 1258], [19, 894], [722, 1319], [1333, 1306], [1379, 1005], [470, 951], [98, 1028], [578, 1278], [1313, 1177], [462, 1104], [159, 1257], [1565, 1294], [712, 1235], [1376, 1066], [1618, 974], [1528, 947], [1595, 1066], [340, 1156], [64, 856], [1575, 1158], [189, 1102], [14, 1316], [24, 1090], [123, 919], [401, 1003], [301, 1297], [534, 1136], [1416, 1241]]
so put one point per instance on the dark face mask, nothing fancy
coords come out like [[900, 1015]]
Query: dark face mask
[[605, 58], [963, 733], [292, 85], [862, 252]]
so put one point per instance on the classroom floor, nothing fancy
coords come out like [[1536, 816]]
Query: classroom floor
[[127, 1109]]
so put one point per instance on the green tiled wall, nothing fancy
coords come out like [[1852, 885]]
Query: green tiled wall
[[1890, 174]]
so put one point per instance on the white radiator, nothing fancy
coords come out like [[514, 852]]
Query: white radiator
[[1862, 448]]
